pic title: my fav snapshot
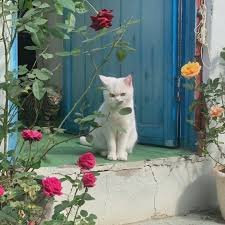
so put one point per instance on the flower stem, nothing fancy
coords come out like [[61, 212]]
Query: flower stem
[[91, 6], [29, 156], [78, 207]]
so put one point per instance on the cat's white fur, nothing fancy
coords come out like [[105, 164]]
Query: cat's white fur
[[110, 139]]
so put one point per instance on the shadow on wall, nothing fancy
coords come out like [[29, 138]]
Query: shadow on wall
[[201, 193]]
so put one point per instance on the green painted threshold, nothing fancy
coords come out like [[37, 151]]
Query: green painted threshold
[[68, 152]]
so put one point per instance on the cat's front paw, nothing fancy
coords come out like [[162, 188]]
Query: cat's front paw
[[122, 156], [112, 157]]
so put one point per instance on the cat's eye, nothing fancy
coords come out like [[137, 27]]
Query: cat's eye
[[112, 95], [122, 94]]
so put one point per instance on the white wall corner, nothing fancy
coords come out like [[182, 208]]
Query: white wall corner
[[216, 41]]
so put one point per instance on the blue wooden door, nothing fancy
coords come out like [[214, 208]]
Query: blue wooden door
[[153, 65]]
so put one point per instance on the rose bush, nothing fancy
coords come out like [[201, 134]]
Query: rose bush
[[24, 194], [211, 106]]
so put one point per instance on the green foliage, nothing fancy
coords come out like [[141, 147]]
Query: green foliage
[[212, 94], [23, 199]]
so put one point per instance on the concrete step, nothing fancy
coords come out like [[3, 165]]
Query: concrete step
[[202, 218]]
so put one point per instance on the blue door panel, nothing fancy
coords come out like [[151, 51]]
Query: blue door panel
[[153, 65]]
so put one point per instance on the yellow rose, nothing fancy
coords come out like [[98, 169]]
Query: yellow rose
[[190, 69], [216, 111]]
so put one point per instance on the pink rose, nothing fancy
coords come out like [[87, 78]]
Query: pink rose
[[86, 161], [89, 179], [102, 20], [31, 135], [2, 191], [51, 186], [31, 223]]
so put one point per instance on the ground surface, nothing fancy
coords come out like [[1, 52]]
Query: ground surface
[[204, 218], [67, 153]]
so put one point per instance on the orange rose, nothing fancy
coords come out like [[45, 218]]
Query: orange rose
[[216, 111], [190, 69]]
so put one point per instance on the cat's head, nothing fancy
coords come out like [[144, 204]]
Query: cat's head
[[117, 90]]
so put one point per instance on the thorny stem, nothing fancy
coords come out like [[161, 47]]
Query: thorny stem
[[71, 207], [78, 207], [91, 6], [29, 156]]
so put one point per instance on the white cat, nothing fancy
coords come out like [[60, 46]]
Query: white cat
[[118, 135]]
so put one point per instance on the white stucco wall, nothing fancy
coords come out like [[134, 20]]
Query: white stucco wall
[[131, 192], [216, 41]]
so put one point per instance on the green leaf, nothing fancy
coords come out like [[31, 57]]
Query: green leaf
[[47, 55], [36, 39], [75, 52], [40, 21], [8, 214], [31, 76], [58, 33], [61, 207], [59, 9], [31, 48], [31, 29], [22, 69], [80, 7], [36, 3], [121, 54], [92, 216], [63, 54], [70, 22], [88, 197], [68, 4], [83, 213], [41, 75], [44, 5], [125, 111], [38, 89]]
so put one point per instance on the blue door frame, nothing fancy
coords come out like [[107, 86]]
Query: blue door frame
[[183, 131], [187, 133], [12, 139]]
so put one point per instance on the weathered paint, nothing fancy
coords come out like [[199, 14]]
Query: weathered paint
[[130, 192], [153, 65]]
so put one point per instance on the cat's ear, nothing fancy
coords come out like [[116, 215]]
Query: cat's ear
[[128, 80], [105, 80]]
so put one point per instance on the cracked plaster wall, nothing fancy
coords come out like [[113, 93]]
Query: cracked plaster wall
[[130, 192]]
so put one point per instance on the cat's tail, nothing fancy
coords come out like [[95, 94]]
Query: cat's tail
[[83, 141]]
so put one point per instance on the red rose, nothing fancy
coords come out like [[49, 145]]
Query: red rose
[[2, 191], [102, 20], [31, 135], [89, 179], [87, 161], [51, 186]]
